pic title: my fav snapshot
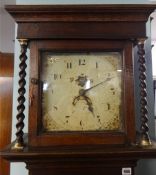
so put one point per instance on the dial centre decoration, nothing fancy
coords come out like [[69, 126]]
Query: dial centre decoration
[[82, 80]]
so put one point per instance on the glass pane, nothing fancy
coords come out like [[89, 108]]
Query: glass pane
[[81, 91]]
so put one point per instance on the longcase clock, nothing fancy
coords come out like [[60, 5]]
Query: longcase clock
[[81, 91]]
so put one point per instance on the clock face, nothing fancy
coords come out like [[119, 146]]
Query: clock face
[[81, 91]]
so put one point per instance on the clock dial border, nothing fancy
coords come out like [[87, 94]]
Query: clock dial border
[[40, 138]]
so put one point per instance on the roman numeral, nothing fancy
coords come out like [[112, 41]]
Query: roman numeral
[[69, 65], [96, 65], [82, 62], [57, 76]]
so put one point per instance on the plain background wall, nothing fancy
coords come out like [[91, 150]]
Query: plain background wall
[[7, 28], [19, 168]]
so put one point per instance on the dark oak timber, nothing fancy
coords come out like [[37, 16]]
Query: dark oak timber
[[82, 28], [70, 21]]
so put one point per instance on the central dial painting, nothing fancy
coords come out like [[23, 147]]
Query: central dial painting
[[81, 91]]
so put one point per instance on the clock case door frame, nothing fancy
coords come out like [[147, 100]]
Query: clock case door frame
[[39, 138]]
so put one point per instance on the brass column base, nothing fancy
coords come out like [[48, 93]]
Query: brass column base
[[145, 142], [17, 146]]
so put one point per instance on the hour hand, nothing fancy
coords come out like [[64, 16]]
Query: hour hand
[[82, 96], [76, 99], [89, 103]]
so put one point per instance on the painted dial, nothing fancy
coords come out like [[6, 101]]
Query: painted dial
[[81, 91]]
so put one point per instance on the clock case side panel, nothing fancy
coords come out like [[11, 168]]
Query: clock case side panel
[[38, 138]]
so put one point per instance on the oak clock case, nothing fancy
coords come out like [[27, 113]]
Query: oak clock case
[[81, 90], [79, 93]]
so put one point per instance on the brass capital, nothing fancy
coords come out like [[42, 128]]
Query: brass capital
[[23, 41], [141, 41]]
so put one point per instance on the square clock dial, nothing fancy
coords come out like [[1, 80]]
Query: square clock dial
[[81, 91]]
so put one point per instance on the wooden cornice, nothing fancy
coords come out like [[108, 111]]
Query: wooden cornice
[[46, 13], [56, 21]]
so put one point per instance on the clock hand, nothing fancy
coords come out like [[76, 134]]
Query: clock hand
[[83, 91], [89, 103], [82, 97], [87, 99]]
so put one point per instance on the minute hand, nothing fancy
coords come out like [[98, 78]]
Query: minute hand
[[85, 90]]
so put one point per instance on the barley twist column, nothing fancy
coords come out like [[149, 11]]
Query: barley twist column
[[144, 140], [19, 143]]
